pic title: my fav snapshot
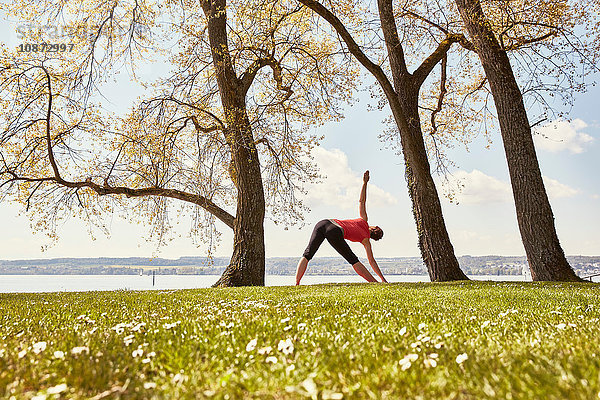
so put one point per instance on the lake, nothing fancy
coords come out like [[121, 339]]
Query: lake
[[84, 283]]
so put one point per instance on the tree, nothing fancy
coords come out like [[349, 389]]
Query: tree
[[219, 130], [403, 98], [554, 62], [534, 214]]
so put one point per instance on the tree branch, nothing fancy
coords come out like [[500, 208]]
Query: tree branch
[[442, 93], [440, 53], [248, 76], [524, 42], [267, 60], [200, 128], [106, 189], [183, 103], [392, 41], [373, 68], [461, 39], [427, 21], [353, 47], [48, 138]]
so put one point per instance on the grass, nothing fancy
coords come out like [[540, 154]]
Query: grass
[[433, 341]]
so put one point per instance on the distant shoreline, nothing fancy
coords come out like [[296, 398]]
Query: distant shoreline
[[307, 274], [490, 265]]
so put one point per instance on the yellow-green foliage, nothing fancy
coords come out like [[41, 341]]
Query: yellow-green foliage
[[178, 134]]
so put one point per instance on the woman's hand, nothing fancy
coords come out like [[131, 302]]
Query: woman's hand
[[366, 176]]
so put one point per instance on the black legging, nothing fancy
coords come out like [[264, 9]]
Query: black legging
[[326, 229]]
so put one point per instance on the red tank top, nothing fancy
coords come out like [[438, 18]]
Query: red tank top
[[355, 230]]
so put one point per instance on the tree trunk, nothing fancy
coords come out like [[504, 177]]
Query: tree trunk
[[434, 243], [247, 265], [436, 249], [534, 214]]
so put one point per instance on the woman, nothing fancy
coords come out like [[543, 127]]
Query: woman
[[335, 231]]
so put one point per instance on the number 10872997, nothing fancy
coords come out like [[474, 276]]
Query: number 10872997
[[46, 47]]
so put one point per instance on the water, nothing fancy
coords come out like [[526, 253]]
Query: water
[[84, 283]]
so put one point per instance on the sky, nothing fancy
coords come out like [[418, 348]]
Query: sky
[[482, 223]]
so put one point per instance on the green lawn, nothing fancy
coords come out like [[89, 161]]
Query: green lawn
[[431, 341]]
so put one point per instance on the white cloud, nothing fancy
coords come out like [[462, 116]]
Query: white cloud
[[556, 190], [475, 187], [563, 135], [596, 196], [340, 185]]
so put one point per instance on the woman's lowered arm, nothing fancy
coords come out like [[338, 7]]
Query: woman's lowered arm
[[367, 244]]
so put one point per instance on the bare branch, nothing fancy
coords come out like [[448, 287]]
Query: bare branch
[[441, 97], [353, 47], [48, 138], [440, 53], [461, 39], [523, 42], [103, 190]]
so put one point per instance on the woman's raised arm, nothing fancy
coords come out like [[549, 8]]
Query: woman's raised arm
[[362, 208]]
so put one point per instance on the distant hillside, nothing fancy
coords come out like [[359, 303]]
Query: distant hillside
[[472, 265], [104, 261]]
